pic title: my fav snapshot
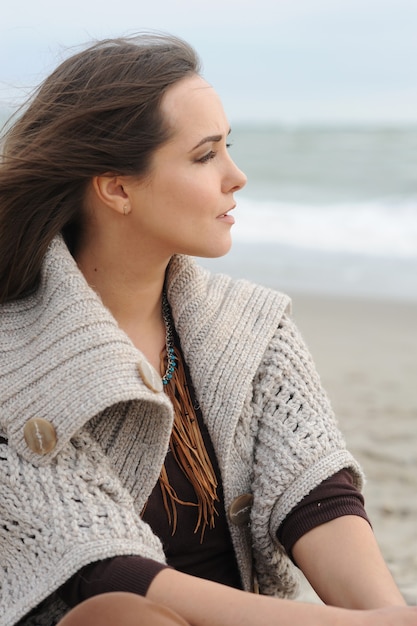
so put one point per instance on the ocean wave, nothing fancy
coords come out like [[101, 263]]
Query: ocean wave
[[385, 228]]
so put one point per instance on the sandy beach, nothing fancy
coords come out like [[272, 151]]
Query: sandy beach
[[366, 353]]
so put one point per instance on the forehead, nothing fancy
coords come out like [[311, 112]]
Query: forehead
[[193, 107]]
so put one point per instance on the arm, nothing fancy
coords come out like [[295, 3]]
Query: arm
[[344, 565], [204, 603]]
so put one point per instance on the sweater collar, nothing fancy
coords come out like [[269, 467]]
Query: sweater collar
[[65, 359], [225, 326]]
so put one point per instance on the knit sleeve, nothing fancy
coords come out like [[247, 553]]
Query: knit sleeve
[[57, 519], [299, 444]]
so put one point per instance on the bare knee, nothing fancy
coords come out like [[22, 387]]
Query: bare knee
[[123, 609]]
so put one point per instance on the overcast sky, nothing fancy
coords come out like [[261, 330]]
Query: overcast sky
[[289, 61]]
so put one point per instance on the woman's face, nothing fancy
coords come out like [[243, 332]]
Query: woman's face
[[184, 205]]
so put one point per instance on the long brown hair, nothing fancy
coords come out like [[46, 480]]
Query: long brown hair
[[98, 112]]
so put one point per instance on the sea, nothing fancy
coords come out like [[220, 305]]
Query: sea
[[326, 210]]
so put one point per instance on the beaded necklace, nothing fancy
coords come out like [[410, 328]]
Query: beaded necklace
[[169, 340]]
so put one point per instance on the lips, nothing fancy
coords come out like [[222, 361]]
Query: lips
[[225, 217], [226, 214]]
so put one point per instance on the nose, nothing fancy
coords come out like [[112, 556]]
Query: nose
[[236, 179]]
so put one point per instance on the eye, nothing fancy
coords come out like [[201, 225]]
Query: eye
[[207, 157], [210, 155]]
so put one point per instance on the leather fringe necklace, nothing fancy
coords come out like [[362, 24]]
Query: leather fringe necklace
[[186, 443]]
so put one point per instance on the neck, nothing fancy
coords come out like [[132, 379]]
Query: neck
[[131, 288]]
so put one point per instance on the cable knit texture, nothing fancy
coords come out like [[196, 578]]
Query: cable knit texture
[[64, 359]]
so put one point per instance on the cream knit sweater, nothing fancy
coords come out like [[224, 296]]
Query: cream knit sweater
[[64, 359]]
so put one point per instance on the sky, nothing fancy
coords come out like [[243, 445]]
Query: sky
[[281, 61]]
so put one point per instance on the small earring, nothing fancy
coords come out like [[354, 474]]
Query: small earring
[[126, 209]]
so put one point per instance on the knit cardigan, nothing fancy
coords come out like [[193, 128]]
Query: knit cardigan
[[65, 359]]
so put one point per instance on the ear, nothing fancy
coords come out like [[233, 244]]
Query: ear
[[110, 190]]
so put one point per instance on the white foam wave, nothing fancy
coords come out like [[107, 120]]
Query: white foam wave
[[387, 229]]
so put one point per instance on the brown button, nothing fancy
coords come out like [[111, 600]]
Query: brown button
[[40, 435], [239, 510], [150, 376]]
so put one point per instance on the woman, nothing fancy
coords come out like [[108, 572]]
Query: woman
[[166, 446]]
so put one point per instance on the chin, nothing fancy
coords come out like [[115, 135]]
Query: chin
[[213, 249], [216, 253], [222, 248]]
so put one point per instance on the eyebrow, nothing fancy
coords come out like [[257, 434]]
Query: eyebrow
[[210, 139]]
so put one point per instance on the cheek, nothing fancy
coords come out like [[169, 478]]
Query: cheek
[[185, 193]]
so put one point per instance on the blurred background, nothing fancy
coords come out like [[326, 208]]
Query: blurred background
[[322, 100]]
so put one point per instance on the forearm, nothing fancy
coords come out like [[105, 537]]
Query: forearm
[[344, 565], [204, 603]]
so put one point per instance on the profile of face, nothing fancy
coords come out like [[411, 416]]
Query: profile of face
[[184, 203]]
